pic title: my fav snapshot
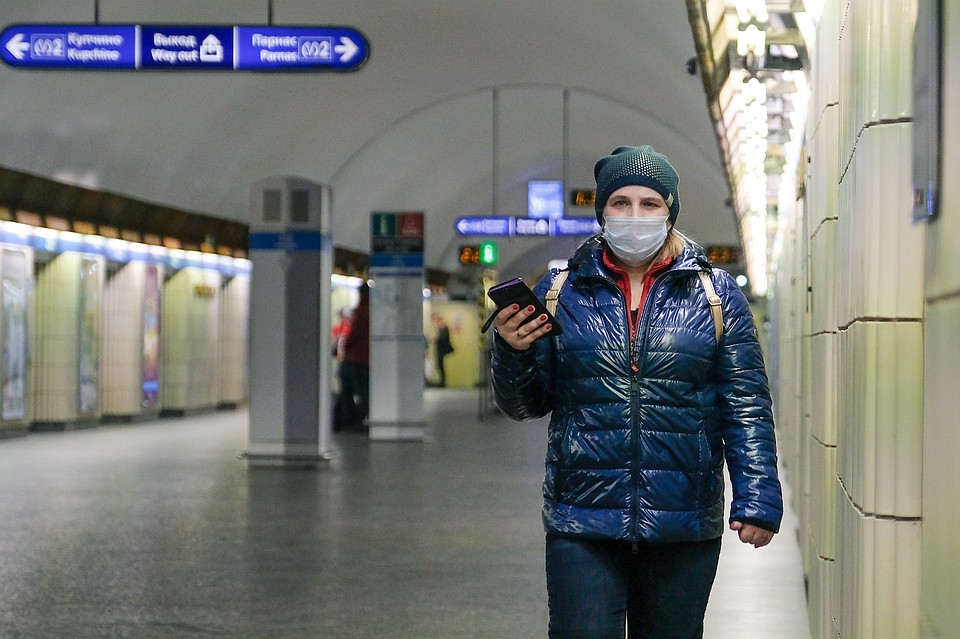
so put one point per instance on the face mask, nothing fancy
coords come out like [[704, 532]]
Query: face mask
[[634, 240]]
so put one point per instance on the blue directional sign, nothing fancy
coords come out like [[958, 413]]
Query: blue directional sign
[[531, 226], [64, 46], [574, 226], [526, 226], [183, 47], [484, 226], [305, 48], [186, 47]]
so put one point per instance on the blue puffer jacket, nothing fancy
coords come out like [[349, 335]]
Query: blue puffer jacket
[[638, 454]]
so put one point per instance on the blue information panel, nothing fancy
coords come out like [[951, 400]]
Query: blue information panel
[[183, 47], [60, 46], [574, 226], [186, 47], [526, 226], [293, 241], [306, 48], [484, 226]]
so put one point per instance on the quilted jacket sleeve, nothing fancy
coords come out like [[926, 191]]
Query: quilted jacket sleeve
[[747, 415], [522, 385]]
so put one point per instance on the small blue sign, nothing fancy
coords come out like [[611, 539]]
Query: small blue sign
[[304, 48], [545, 198], [286, 241], [186, 47], [64, 46], [484, 226], [396, 260], [574, 226], [530, 226]]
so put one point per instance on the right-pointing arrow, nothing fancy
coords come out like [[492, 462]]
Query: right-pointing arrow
[[347, 49], [17, 47]]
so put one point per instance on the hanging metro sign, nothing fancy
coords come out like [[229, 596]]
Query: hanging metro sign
[[183, 47]]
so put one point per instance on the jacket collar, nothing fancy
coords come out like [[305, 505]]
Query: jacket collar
[[587, 260]]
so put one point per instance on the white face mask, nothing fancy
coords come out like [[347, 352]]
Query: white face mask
[[634, 240]]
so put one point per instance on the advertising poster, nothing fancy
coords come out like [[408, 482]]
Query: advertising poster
[[13, 333], [151, 336], [89, 343]]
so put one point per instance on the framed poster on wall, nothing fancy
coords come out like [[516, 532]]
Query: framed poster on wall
[[13, 333], [151, 336], [88, 344]]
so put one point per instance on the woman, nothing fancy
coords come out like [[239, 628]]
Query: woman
[[647, 403]]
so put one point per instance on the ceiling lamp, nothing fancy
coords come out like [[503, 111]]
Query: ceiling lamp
[[753, 60]]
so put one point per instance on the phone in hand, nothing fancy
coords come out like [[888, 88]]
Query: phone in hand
[[516, 291]]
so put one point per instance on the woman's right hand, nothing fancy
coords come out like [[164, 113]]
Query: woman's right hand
[[513, 328]]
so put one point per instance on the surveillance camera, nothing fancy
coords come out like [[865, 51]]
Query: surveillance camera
[[692, 66]]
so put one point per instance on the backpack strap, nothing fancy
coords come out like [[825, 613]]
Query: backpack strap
[[715, 311], [553, 294]]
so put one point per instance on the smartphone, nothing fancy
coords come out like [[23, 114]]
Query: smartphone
[[515, 291]]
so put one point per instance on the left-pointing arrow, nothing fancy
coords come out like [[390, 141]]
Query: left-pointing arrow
[[17, 47], [347, 49]]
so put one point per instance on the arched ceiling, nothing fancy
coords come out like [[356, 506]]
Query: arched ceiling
[[410, 130]]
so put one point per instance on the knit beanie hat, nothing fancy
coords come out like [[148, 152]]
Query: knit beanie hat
[[640, 166]]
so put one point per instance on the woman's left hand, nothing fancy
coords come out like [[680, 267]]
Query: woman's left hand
[[750, 534]]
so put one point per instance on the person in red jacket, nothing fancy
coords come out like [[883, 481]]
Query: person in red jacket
[[353, 402]]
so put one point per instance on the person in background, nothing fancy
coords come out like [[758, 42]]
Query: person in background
[[353, 402], [442, 347], [647, 402], [338, 332]]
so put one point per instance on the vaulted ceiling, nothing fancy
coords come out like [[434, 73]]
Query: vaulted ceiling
[[457, 107]]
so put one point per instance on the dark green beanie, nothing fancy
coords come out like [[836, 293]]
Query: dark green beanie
[[640, 166]]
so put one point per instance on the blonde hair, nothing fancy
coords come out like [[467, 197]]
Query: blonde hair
[[672, 246]]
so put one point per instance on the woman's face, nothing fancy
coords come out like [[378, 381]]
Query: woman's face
[[635, 201]]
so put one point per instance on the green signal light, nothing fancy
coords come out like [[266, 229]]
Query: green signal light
[[488, 253]]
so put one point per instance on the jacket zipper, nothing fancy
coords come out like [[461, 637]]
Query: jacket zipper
[[636, 358]]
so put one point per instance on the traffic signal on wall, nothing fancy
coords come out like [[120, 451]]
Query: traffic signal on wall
[[482, 254]]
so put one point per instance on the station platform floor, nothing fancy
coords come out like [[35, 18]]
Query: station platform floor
[[160, 529]]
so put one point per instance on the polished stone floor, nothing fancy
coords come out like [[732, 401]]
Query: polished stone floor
[[159, 529]]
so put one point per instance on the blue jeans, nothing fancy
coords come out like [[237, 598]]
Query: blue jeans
[[659, 590]]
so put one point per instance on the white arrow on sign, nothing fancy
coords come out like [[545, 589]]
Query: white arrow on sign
[[347, 49], [17, 47]]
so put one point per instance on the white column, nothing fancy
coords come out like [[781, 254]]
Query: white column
[[396, 327], [292, 261]]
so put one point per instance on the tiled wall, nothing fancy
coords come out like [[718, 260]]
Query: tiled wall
[[851, 314], [57, 337], [940, 543], [234, 337], [191, 341], [123, 341]]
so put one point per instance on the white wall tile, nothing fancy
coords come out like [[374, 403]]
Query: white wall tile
[[899, 414], [823, 388], [880, 433]]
